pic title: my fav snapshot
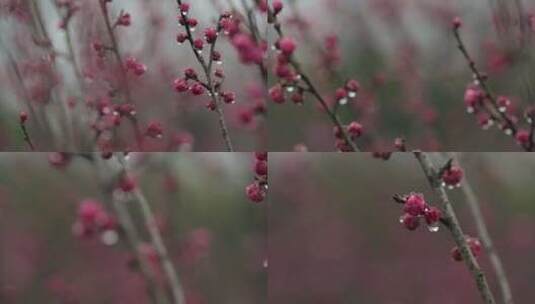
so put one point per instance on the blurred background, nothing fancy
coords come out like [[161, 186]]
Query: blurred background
[[402, 52], [412, 75], [215, 236], [59, 96], [335, 237]]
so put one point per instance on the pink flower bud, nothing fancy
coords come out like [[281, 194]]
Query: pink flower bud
[[415, 204], [23, 117], [255, 192], [180, 85], [286, 45], [452, 176]]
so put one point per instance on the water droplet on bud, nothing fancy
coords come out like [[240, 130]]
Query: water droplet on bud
[[433, 228]]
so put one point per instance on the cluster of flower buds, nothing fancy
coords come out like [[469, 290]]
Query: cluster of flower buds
[[475, 99], [154, 130], [250, 49], [93, 219], [524, 137], [136, 67], [183, 17], [474, 102], [488, 110], [349, 91], [451, 176], [108, 115], [290, 85], [415, 208], [354, 130], [473, 244], [190, 82], [257, 190], [288, 78]]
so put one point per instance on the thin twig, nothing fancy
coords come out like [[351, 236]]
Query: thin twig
[[134, 242], [492, 106], [124, 76], [158, 243], [26, 136], [484, 235], [127, 224], [455, 228]]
